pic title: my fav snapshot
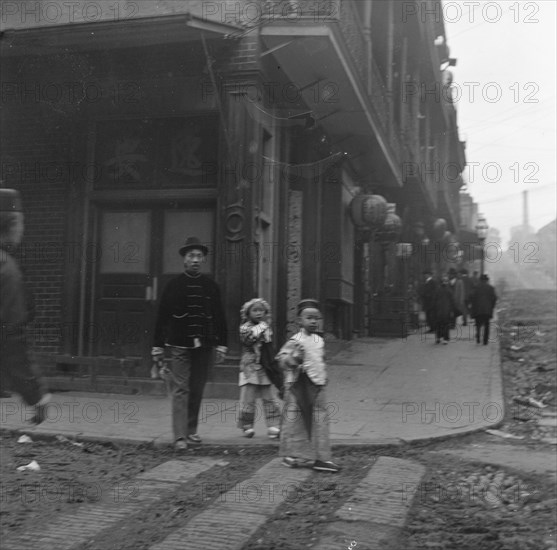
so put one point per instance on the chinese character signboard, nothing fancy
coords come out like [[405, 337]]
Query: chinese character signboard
[[157, 153]]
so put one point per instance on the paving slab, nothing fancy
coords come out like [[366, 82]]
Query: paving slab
[[115, 504], [229, 522], [377, 510]]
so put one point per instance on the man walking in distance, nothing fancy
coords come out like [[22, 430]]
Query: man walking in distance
[[18, 372], [483, 303], [463, 294], [427, 297], [190, 324]]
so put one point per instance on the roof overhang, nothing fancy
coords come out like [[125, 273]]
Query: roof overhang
[[127, 33], [314, 57]]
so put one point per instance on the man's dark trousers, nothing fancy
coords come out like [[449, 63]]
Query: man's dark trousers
[[442, 332], [482, 321]]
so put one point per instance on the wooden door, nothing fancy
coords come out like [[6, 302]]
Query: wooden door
[[139, 256]]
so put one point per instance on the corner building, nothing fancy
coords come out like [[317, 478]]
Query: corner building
[[253, 125]]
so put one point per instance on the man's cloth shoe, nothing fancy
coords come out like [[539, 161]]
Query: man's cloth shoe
[[273, 433], [194, 438], [249, 432]]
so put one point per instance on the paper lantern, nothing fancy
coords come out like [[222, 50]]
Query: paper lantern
[[368, 211]]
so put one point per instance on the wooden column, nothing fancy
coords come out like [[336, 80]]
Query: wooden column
[[234, 232]]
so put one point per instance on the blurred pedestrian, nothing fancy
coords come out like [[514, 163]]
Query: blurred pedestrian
[[455, 288], [483, 301], [18, 370], [304, 440], [427, 298], [444, 311], [191, 325], [463, 294], [255, 334]]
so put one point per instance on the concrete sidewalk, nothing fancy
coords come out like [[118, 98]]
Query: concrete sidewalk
[[381, 391]]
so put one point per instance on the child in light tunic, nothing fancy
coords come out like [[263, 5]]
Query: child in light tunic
[[305, 423]]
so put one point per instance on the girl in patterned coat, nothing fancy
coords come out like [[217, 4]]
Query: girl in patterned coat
[[254, 382]]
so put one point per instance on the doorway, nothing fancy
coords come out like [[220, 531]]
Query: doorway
[[136, 256]]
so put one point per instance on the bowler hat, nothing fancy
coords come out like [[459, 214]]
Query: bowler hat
[[193, 242], [10, 200]]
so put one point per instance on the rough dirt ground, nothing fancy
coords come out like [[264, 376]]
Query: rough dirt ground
[[463, 503]]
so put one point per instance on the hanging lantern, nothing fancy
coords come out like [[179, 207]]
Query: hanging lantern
[[392, 226], [368, 211], [439, 229]]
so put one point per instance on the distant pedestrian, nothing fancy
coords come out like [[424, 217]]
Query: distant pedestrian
[[255, 333], [463, 294], [191, 325], [444, 311], [18, 371], [483, 302], [413, 305], [427, 298], [304, 440], [455, 287]]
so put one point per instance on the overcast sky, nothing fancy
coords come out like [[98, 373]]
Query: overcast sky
[[506, 79]]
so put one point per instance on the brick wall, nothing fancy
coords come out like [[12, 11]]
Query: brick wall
[[35, 145]]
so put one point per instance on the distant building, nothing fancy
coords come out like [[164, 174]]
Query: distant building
[[547, 242]]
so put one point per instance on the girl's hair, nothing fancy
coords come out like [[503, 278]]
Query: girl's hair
[[244, 312]]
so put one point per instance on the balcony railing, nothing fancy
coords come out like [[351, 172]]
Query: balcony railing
[[353, 34], [379, 97]]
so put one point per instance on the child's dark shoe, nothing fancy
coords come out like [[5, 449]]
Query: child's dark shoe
[[326, 466]]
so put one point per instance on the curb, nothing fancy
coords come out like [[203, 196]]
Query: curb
[[156, 444]]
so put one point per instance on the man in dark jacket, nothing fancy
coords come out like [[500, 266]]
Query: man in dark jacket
[[483, 302], [190, 324], [427, 299], [18, 371], [444, 310]]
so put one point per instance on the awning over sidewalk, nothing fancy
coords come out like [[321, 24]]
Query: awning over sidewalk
[[315, 57], [126, 33]]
